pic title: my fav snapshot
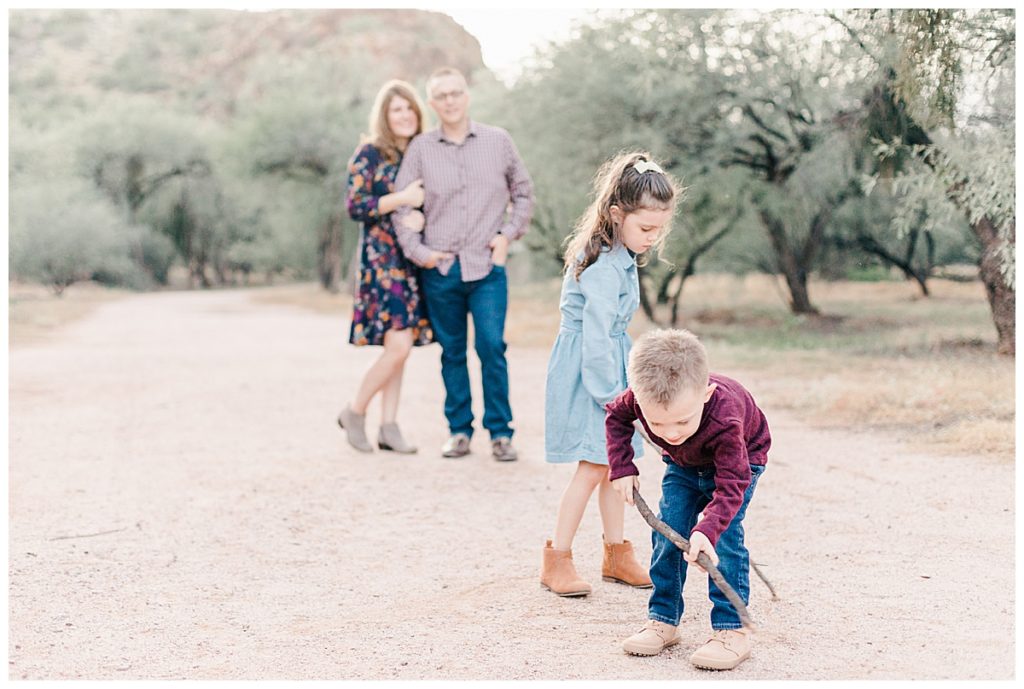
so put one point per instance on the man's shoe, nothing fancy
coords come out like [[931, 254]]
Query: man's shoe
[[456, 446], [726, 649], [654, 638], [503, 451]]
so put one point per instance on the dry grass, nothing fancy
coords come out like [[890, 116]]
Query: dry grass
[[34, 311]]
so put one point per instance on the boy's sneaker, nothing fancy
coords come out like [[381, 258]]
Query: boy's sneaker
[[726, 649], [654, 638]]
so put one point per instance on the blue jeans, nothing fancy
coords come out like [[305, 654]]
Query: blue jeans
[[685, 491], [449, 301]]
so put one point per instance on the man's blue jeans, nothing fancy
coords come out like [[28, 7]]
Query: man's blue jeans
[[685, 491], [449, 301]]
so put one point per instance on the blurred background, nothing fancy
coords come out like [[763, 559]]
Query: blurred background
[[850, 174]]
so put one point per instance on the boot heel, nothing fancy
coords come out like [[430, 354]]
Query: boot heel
[[385, 446]]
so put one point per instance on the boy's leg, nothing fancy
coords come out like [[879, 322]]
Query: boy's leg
[[733, 563], [447, 307], [488, 302], [681, 501]]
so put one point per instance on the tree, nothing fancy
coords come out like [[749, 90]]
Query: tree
[[950, 74]]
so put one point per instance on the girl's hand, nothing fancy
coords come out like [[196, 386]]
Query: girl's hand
[[624, 487], [414, 220], [699, 543], [412, 195]]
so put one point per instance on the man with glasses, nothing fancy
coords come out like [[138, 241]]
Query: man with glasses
[[477, 199]]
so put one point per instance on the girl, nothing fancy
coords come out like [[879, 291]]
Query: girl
[[633, 203], [387, 309]]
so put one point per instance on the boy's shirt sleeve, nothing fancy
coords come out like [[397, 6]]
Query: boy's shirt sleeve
[[732, 477], [618, 429], [599, 284]]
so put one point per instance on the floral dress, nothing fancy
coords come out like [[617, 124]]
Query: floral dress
[[387, 290]]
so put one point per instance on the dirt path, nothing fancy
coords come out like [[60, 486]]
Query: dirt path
[[183, 506]]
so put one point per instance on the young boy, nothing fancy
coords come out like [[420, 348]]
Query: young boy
[[714, 440]]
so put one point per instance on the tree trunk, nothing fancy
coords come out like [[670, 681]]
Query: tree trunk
[[329, 253], [792, 269], [645, 301], [1001, 297]]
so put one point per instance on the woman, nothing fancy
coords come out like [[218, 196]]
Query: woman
[[388, 309]]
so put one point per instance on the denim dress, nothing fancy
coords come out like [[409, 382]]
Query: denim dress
[[587, 368]]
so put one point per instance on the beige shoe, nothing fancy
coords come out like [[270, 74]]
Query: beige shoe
[[726, 649], [620, 565], [558, 573], [654, 638]]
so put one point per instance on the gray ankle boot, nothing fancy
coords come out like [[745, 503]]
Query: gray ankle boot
[[390, 438], [355, 427]]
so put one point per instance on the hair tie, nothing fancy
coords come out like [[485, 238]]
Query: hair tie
[[643, 166]]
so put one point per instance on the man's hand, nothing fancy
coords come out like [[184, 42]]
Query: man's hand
[[624, 487], [414, 221], [436, 256], [499, 249], [699, 543], [412, 195]]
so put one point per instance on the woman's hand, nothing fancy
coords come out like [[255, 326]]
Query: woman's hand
[[412, 195], [436, 256], [414, 220], [699, 543], [624, 487]]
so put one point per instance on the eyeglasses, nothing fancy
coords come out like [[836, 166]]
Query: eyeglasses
[[452, 95]]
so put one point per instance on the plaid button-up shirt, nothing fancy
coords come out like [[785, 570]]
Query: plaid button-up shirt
[[472, 192]]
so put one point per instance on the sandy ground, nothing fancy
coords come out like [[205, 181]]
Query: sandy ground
[[183, 506]]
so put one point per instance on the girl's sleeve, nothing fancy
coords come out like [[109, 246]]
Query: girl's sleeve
[[599, 284], [362, 204]]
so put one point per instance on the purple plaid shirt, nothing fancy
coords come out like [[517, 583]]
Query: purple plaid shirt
[[472, 192]]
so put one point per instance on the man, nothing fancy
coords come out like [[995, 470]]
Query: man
[[478, 199]]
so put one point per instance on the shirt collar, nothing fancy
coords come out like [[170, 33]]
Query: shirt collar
[[472, 131], [622, 256]]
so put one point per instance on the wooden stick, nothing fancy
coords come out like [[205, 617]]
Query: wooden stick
[[703, 560], [757, 570]]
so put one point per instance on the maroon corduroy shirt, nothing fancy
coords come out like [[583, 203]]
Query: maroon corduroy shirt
[[732, 435]]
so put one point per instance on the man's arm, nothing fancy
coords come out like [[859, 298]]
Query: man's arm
[[520, 188], [409, 239]]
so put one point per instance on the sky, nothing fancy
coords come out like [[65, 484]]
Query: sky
[[508, 36]]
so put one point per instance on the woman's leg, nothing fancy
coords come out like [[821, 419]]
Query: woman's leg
[[613, 510], [392, 359], [574, 502], [400, 343]]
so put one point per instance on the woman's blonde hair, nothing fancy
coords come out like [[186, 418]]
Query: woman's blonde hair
[[618, 183], [380, 134]]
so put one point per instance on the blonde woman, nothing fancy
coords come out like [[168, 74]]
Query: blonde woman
[[388, 309]]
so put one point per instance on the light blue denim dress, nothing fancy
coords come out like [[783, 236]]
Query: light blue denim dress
[[587, 368]]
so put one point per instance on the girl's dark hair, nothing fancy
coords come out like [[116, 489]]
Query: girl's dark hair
[[618, 183]]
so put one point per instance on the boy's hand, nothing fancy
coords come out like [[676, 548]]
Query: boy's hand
[[699, 543], [624, 487]]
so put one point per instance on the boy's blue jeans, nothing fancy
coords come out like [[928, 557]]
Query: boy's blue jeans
[[685, 491], [449, 301]]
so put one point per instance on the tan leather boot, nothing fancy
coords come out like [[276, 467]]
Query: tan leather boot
[[558, 573], [726, 649], [620, 565]]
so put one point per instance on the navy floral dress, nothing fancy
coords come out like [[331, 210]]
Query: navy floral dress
[[387, 289]]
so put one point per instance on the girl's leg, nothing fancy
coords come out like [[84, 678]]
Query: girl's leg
[[612, 510], [400, 343], [392, 359], [574, 501]]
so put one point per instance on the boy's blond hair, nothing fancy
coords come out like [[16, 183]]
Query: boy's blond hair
[[663, 363]]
